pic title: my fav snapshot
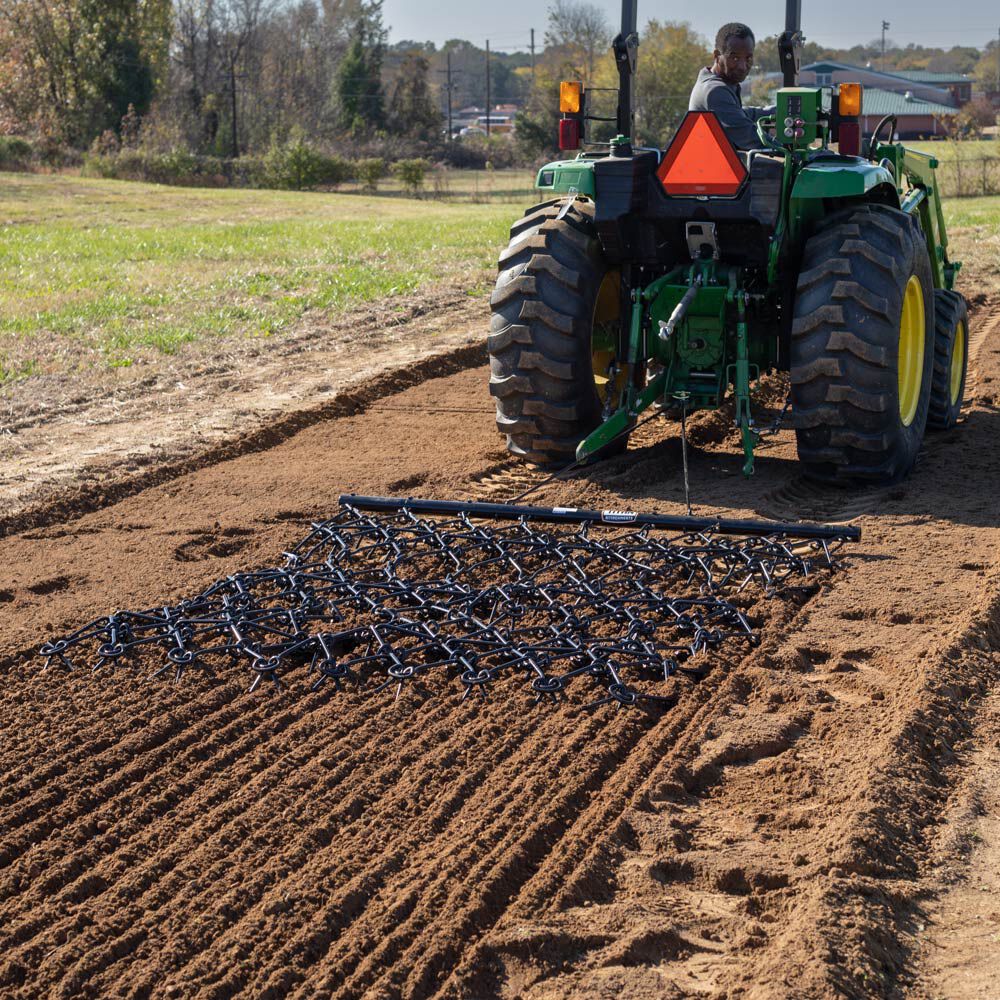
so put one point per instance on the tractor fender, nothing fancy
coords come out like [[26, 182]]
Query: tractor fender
[[845, 179], [567, 176]]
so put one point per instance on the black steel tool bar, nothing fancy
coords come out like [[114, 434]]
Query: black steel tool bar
[[573, 515]]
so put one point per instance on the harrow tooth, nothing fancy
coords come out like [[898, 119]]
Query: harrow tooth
[[395, 594]]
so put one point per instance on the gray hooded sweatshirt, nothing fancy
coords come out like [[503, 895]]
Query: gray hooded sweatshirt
[[712, 93]]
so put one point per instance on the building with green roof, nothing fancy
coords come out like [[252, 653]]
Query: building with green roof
[[923, 108]]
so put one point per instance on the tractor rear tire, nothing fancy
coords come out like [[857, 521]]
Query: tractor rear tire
[[951, 359], [862, 347], [541, 357]]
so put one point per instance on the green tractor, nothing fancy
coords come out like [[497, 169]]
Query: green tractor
[[674, 278]]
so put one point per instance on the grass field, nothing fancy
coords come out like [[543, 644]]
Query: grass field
[[96, 271], [95, 274], [468, 186], [968, 168], [967, 149]]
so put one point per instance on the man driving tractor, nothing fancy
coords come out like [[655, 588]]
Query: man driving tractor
[[718, 86]]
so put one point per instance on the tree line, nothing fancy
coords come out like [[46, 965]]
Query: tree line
[[225, 78]]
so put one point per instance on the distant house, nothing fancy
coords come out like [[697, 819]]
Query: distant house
[[474, 119], [922, 106], [958, 84], [915, 119]]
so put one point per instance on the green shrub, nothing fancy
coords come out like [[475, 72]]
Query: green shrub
[[247, 171], [411, 174], [176, 166], [297, 165], [334, 171], [105, 144], [15, 153], [96, 165], [49, 152], [369, 172]]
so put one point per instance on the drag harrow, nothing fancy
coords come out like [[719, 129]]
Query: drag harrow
[[393, 593]]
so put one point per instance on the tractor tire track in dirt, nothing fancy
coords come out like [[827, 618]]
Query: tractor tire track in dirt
[[773, 835]]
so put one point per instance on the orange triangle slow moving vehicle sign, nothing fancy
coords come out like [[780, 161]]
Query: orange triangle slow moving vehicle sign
[[701, 159]]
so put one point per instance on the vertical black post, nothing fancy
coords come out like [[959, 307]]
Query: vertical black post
[[488, 88], [449, 87], [790, 43], [626, 50], [232, 90], [532, 55], [449, 96]]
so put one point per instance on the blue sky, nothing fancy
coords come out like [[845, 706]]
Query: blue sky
[[840, 23]]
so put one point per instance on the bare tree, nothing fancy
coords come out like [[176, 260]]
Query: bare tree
[[237, 27], [582, 29]]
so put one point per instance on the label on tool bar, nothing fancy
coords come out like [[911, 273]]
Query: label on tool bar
[[618, 516], [565, 510]]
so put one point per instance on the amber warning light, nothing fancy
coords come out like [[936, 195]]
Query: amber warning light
[[850, 100], [571, 97], [701, 159]]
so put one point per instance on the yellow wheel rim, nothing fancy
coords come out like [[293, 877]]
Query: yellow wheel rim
[[912, 334], [957, 362], [604, 335]]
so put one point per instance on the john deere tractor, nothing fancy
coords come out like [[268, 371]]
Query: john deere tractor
[[679, 278]]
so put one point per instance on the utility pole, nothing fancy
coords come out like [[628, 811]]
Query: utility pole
[[448, 87], [232, 92], [998, 60], [532, 55], [885, 28], [488, 116]]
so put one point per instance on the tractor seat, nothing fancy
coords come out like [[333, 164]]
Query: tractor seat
[[766, 172]]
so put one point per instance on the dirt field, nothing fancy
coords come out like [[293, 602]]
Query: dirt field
[[803, 824]]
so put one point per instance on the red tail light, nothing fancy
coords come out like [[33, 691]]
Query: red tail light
[[849, 141], [569, 133]]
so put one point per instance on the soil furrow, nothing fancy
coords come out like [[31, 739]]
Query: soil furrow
[[433, 878], [203, 844], [513, 762]]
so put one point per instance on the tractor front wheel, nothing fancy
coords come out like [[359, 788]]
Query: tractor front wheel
[[951, 359], [862, 347], [553, 334]]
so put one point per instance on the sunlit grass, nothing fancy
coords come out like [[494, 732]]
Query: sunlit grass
[[960, 212], [967, 149], [107, 268]]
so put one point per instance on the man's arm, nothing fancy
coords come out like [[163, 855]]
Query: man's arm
[[757, 113], [736, 120]]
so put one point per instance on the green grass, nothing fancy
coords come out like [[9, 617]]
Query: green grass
[[974, 238], [967, 149], [106, 270], [968, 168], [969, 212], [475, 186], [102, 273]]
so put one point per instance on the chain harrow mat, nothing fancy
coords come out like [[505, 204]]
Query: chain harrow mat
[[394, 598]]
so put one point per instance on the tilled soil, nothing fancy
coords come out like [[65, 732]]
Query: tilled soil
[[777, 834]]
